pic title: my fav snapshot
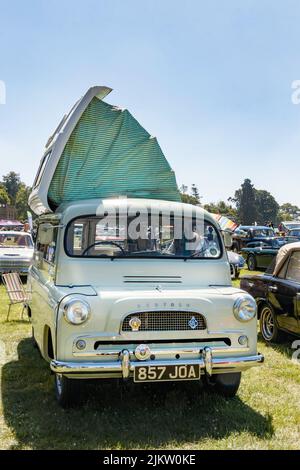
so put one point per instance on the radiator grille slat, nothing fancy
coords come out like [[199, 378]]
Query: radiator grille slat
[[166, 321]]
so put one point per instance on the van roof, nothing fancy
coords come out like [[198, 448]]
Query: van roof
[[75, 209]]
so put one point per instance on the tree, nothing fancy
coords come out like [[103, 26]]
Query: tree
[[222, 208], [12, 183], [183, 189], [267, 207], [192, 198], [22, 201], [188, 199], [246, 203], [4, 197], [195, 193], [288, 212]]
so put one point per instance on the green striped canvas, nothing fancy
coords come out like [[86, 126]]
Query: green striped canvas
[[110, 154]]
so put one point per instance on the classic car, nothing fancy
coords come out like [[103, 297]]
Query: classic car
[[295, 233], [134, 287], [16, 252], [246, 234], [294, 224], [259, 255], [236, 262], [277, 293]]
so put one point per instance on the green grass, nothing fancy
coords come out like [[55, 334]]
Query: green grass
[[264, 415]]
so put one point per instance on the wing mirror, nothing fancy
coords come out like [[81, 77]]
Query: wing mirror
[[45, 234], [227, 238]]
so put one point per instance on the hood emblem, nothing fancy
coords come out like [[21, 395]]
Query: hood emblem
[[193, 323]]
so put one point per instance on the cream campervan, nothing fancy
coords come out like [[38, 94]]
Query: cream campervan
[[127, 281]]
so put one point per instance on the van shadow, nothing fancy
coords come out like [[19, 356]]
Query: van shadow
[[160, 415]]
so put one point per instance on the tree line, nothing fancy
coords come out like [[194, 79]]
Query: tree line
[[15, 193], [249, 205]]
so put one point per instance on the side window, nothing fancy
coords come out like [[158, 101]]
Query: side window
[[281, 274], [293, 270], [47, 252]]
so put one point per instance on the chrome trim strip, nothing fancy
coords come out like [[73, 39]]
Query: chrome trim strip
[[111, 353]]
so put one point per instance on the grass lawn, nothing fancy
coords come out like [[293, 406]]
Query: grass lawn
[[264, 415]]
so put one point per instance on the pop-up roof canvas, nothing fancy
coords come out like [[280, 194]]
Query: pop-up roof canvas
[[107, 154]]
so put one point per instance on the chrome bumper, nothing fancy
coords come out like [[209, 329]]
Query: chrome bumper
[[124, 367]]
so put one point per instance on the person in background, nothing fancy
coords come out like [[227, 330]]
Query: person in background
[[26, 227]]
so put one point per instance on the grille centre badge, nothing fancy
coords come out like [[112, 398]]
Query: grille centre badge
[[135, 323], [193, 323]]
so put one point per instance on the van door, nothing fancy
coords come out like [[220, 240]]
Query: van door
[[42, 278]]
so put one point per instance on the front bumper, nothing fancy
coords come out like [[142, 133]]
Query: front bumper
[[124, 367]]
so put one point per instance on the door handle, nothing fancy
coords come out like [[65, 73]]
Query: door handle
[[273, 288]]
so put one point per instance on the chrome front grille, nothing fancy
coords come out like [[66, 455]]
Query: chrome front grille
[[166, 321]]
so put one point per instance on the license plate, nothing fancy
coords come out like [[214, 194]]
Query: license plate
[[166, 373]]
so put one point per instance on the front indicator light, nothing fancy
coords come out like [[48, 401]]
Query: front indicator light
[[244, 308], [243, 340], [80, 344]]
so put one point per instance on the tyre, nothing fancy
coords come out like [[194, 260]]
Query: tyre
[[237, 273], [251, 262], [68, 392], [268, 327], [235, 247], [225, 385]]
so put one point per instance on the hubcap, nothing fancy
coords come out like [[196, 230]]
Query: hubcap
[[251, 263], [267, 323]]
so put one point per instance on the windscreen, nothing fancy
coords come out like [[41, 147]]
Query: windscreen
[[158, 237], [15, 241]]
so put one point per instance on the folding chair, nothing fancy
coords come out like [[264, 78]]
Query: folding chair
[[15, 291]]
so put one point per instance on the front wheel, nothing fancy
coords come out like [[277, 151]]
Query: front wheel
[[68, 392], [226, 385], [251, 262]]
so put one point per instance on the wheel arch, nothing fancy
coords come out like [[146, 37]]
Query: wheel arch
[[261, 302], [48, 344]]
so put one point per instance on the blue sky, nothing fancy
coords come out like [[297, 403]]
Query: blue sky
[[211, 79]]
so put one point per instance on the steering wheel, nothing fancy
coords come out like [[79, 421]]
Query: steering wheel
[[108, 242]]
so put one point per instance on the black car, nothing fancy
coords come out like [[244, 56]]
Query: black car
[[277, 293], [246, 234], [259, 255]]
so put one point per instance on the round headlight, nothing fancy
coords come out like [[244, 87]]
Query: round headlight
[[77, 311], [244, 308]]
